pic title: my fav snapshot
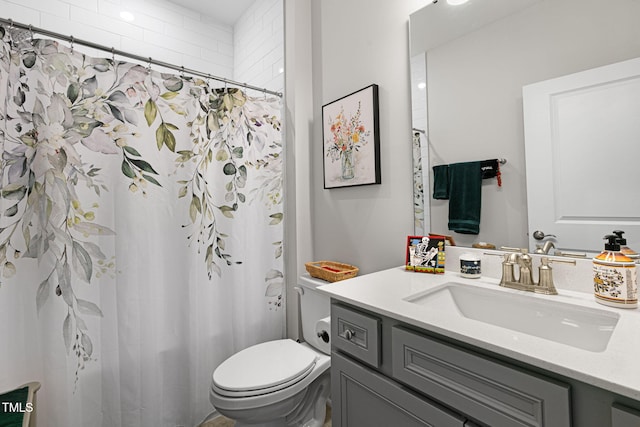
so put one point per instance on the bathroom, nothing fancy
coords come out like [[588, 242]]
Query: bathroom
[[331, 48]]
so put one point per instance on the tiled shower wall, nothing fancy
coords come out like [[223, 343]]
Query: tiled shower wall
[[259, 45], [165, 32]]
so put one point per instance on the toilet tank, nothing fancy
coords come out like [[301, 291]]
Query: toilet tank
[[313, 307]]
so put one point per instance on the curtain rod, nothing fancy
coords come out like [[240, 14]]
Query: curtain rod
[[148, 60]]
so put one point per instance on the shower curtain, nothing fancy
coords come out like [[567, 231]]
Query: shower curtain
[[140, 234]]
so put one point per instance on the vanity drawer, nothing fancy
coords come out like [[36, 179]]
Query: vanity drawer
[[485, 390], [356, 334]]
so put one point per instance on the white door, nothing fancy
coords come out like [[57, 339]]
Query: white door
[[582, 145]]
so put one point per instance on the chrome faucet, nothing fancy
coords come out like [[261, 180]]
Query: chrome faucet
[[525, 281]]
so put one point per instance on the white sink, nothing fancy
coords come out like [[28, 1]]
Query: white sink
[[581, 327]]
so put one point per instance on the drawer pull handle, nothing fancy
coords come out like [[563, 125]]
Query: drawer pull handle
[[349, 334]]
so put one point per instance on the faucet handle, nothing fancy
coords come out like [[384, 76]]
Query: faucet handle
[[569, 254], [510, 249], [566, 261], [545, 276]]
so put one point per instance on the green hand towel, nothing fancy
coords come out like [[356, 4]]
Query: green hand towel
[[441, 182], [465, 197]]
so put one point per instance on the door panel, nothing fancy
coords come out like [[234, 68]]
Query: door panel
[[582, 145]]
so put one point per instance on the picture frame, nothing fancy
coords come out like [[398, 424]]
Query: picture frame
[[426, 254], [351, 139]]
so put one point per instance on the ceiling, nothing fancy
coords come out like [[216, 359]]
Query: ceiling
[[225, 11]]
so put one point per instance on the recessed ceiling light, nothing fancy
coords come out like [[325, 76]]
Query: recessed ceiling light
[[456, 2], [127, 16]]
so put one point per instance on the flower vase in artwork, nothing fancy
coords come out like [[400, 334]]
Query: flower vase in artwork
[[347, 135], [348, 166]]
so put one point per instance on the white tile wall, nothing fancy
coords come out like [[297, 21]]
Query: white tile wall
[[251, 52], [161, 30], [259, 46]]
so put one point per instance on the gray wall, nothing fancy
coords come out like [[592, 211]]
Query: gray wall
[[357, 43]]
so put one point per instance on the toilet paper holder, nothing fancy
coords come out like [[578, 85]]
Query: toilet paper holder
[[324, 336], [323, 329]]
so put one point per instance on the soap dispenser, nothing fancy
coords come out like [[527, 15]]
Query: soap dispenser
[[626, 250], [615, 276]]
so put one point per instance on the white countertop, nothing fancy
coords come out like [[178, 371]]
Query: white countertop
[[616, 369]]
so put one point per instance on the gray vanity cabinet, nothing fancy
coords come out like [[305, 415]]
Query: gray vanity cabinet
[[489, 391], [363, 397], [624, 417], [385, 373]]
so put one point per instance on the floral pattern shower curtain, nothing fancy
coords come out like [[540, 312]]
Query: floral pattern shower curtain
[[140, 234]]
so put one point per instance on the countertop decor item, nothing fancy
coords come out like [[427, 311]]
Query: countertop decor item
[[483, 245], [351, 139], [615, 276], [470, 266], [331, 271], [425, 254]]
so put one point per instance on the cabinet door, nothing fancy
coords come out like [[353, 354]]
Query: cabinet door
[[363, 397], [624, 417]]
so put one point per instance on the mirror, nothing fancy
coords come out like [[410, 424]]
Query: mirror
[[475, 59]]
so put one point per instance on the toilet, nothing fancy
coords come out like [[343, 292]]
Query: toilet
[[281, 382]]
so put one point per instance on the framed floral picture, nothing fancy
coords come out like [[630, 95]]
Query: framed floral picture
[[351, 139]]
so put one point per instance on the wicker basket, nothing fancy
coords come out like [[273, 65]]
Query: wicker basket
[[331, 271]]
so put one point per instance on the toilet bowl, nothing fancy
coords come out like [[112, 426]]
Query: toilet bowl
[[280, 382]]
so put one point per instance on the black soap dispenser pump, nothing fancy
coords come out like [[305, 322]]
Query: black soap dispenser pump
[[615, 276], [626, 250]]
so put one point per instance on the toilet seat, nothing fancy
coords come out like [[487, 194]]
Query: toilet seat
[[264, 368]]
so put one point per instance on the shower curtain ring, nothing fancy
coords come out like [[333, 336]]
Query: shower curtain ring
[[182, 71], [113, 54], [31, 33], [149, 64], [72, 40], [10, 31]]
